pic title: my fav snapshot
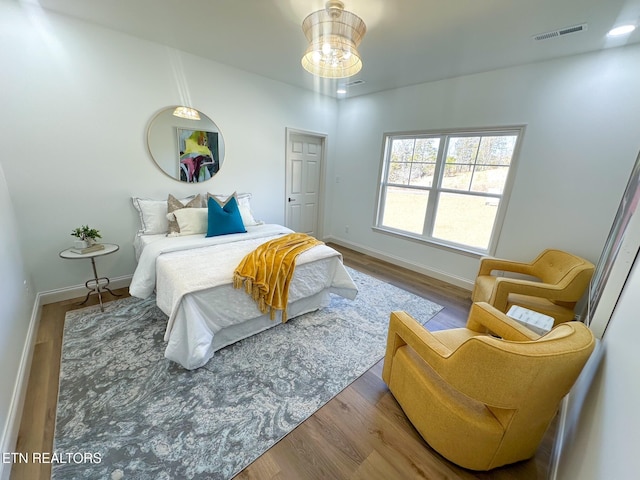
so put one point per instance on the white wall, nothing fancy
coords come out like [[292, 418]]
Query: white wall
[[76, 103], [581, 115], [604, 443], [17, 300]]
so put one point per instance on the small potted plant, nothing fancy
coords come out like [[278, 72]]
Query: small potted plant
[[86, 236]]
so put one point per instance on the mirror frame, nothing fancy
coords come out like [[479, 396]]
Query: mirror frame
[[167, 136]]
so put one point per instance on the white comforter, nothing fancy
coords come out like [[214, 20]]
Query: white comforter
[[193, 277], [143, 282]]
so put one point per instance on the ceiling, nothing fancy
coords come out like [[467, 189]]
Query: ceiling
[[407, 41]]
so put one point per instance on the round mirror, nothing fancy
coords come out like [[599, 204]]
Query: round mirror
[[185, 144]]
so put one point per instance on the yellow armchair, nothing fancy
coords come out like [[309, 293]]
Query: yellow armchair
[[560, 280], [483, 396]]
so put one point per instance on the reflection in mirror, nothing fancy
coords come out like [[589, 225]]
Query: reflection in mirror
[[185, 144]]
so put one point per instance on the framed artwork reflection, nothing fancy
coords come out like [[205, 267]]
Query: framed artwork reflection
[[617, 258], [198, 155]]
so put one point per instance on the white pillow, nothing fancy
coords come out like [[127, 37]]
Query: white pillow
[[192, 220], [244, 205], [153, 214]]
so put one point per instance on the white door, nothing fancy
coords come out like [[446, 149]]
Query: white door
[[304, 165]]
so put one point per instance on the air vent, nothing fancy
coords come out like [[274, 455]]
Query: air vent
[[355, 83], [561, 32]]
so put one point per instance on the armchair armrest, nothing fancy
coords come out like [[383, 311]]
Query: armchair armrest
[[489, 264], [504, 286], [484, 317], [405, 330], [488, 385]]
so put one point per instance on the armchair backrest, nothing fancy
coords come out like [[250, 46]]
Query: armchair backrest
[[557, 267], [523, 383], [554, 266], [521, 375]]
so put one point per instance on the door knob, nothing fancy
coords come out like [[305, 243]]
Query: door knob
[[291, 199]]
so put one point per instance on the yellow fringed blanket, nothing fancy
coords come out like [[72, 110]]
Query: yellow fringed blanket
[[266, 272]]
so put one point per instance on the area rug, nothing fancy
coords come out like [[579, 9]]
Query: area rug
[[126, 412]]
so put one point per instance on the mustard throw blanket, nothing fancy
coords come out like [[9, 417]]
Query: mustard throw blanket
[[266, 272]]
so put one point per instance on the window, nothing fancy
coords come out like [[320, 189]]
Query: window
[[447, 188]]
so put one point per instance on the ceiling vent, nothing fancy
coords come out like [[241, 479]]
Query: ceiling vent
[[561, 32], [355, 83]]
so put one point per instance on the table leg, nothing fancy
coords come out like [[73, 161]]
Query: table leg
[[97, 288]]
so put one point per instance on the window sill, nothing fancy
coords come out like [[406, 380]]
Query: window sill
[[431, 242]]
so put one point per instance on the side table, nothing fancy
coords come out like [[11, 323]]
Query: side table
[[97, 284]]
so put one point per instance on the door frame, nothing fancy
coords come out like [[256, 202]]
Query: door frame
[[323, 137]]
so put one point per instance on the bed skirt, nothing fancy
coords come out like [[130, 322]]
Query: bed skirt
[[192, 344]]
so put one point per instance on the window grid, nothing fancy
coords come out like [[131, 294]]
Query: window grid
[[479, 160]]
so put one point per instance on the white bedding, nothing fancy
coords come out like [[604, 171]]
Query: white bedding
[[141, 241], [192, 276]]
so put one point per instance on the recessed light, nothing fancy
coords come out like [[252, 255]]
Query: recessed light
[[621, 30], [341, 91]]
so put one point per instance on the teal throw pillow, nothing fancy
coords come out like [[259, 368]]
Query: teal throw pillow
[[224, 219]]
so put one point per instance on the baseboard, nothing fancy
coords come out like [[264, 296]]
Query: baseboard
[[10, 434], [437, 274], [77, 291]]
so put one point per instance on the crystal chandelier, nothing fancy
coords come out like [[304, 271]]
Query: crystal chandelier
[[334, 35]]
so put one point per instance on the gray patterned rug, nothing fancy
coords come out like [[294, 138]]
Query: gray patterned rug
[[125, 412]]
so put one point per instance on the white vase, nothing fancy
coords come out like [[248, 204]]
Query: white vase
[[80, 244]]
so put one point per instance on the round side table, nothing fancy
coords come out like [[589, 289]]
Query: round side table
[[96, 285]]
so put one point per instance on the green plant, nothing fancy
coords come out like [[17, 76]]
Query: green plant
[[84, 233]]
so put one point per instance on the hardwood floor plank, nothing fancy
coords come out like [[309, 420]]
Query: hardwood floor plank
[[35, 414], [375, 467], [395, 442], [267, 470], [369, 384]]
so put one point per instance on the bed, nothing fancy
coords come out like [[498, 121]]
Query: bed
[[192, 279]]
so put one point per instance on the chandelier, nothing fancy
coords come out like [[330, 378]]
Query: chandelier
[[334, 35], [187, 112]]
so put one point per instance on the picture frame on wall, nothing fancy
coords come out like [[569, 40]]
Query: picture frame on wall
[[617, 258], [198, 154]]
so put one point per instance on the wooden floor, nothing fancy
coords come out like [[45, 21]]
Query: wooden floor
[[360, 434]]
